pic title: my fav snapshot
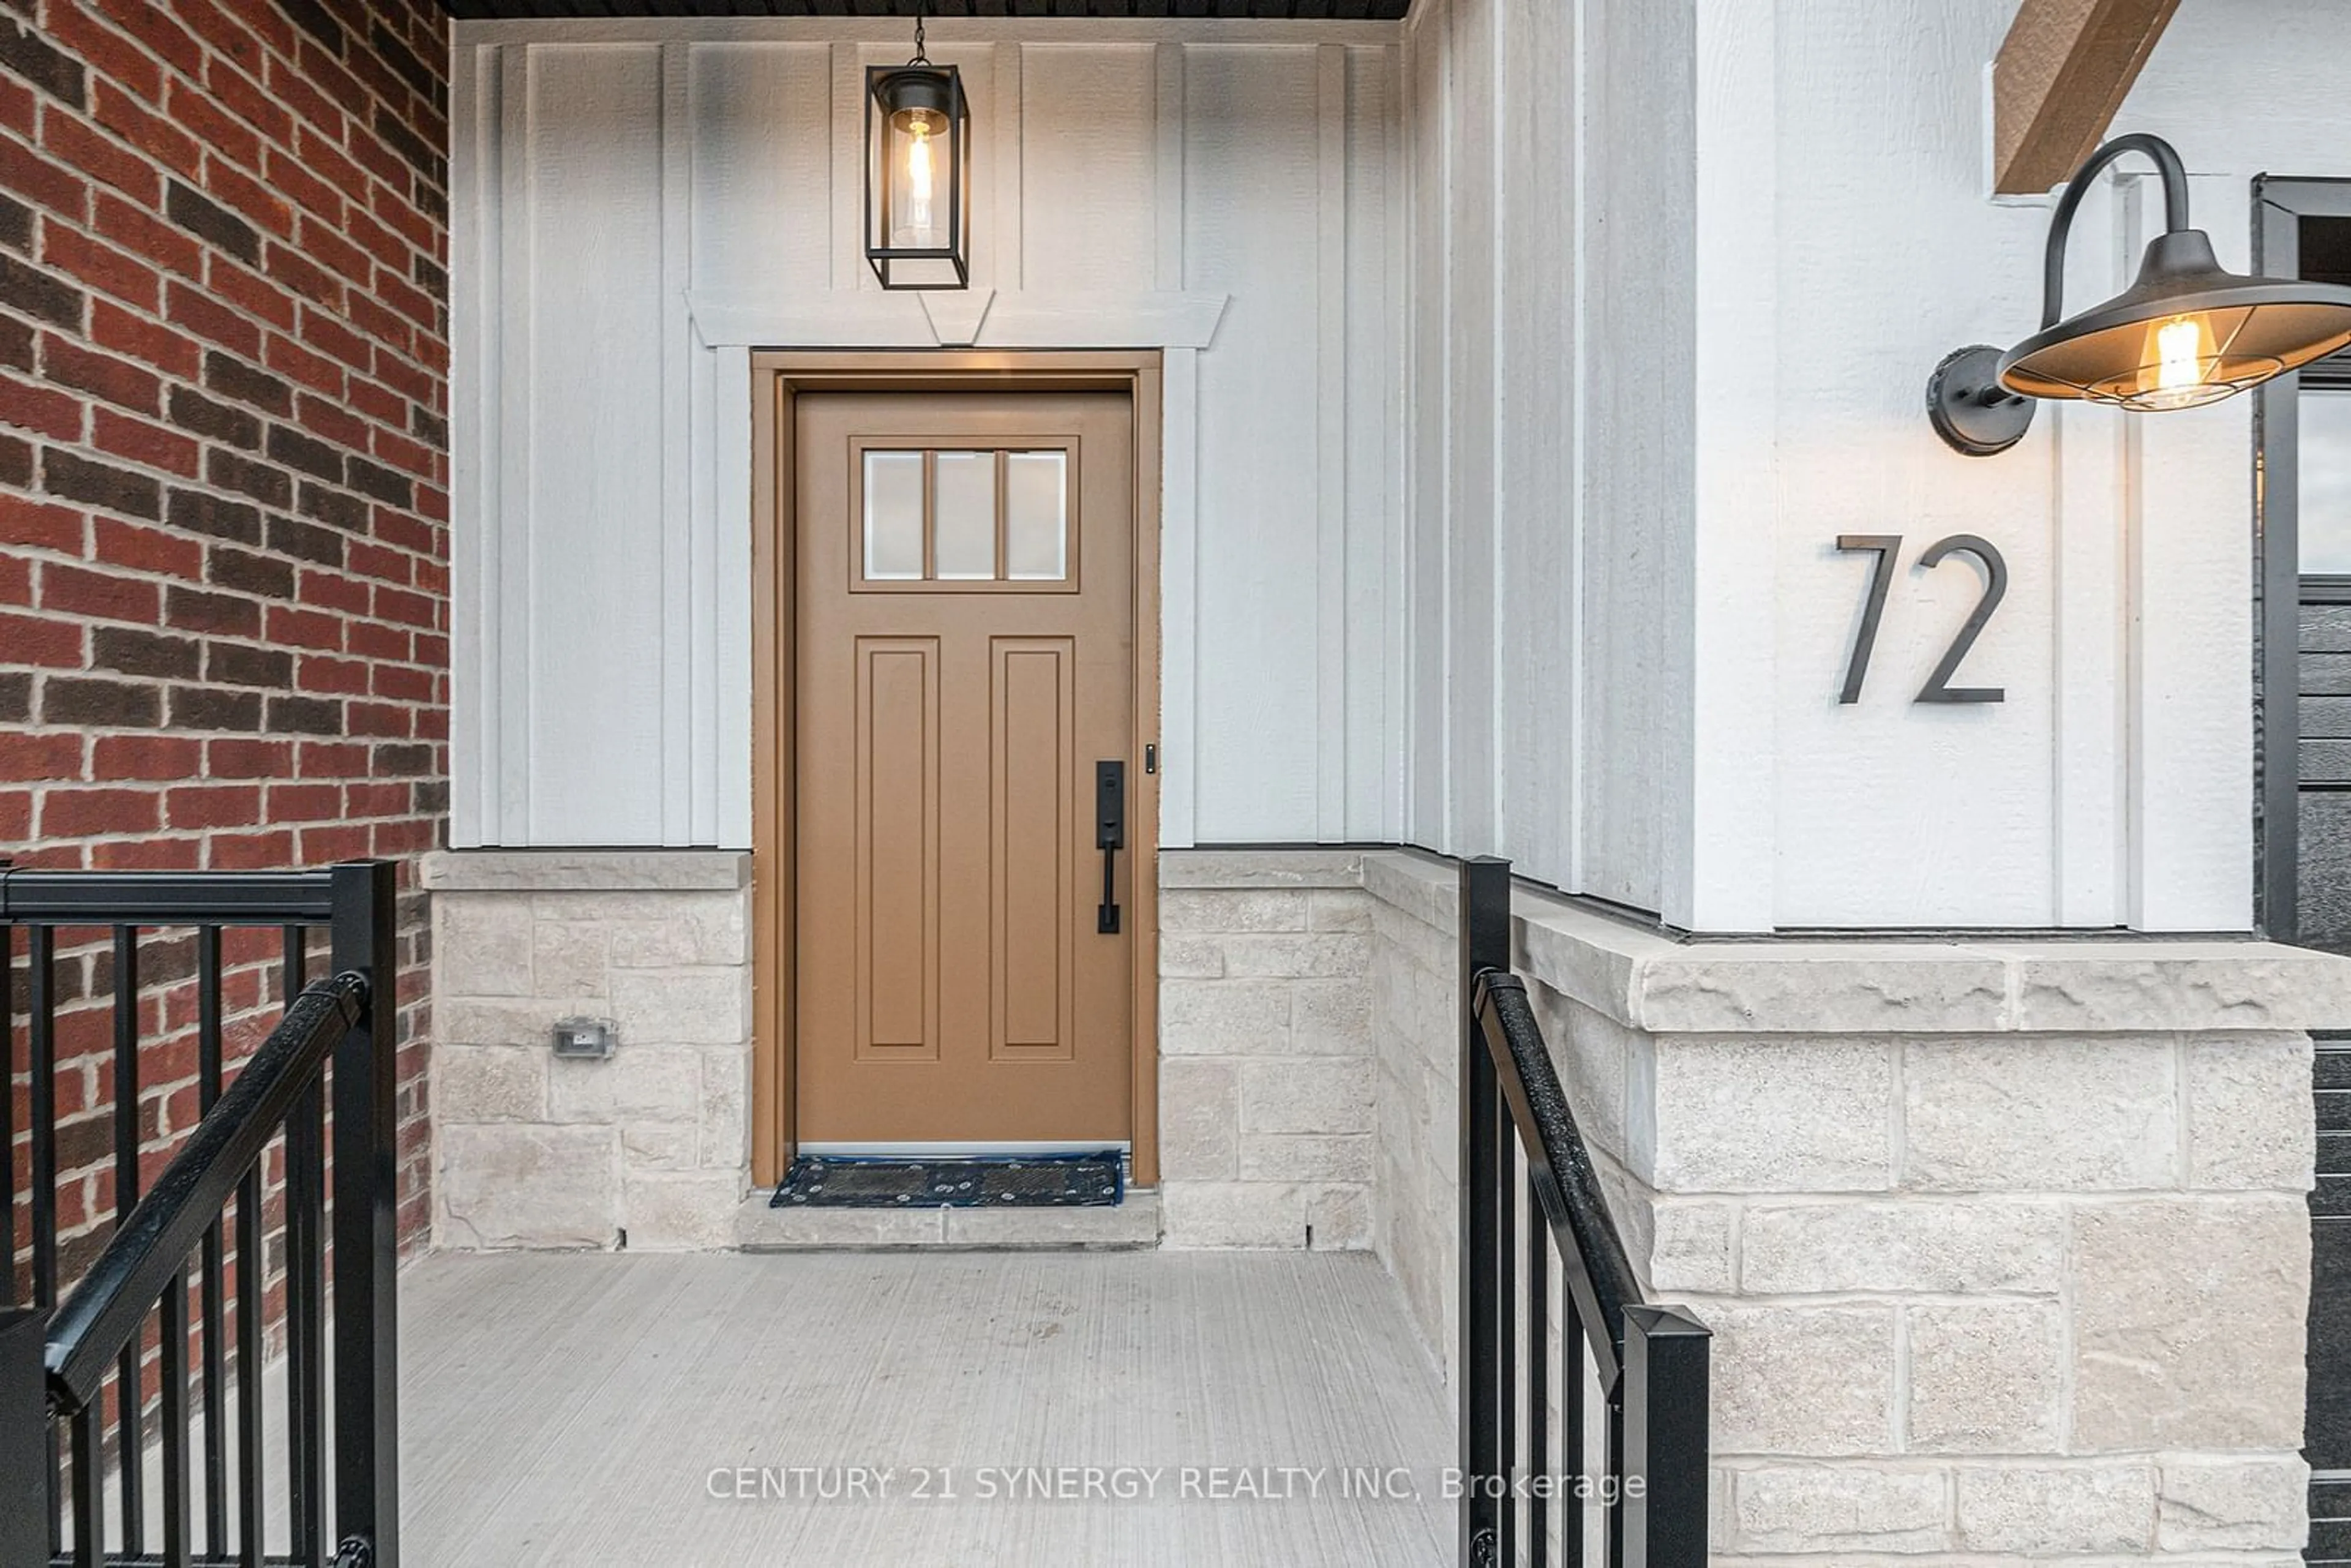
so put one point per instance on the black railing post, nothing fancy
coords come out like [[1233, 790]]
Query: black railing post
[[367, 1224], [24, 1500], [1484, 928], [1666, 1430]]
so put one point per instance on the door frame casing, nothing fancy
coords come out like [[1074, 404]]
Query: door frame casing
[[778, 376], [2280, 204]]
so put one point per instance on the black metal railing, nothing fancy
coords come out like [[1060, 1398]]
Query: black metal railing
[[1624, 1484], [175, 1485]]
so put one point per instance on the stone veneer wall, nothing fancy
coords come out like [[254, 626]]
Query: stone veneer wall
[[648, 1150], [2003, 1244], [1265, 1021], [1417, 1044]]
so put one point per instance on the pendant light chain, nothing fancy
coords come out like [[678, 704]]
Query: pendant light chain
[[920, 58]]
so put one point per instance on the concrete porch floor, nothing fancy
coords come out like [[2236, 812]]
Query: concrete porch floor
[[573, 1408]]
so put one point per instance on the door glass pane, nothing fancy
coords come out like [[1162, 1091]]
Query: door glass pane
[[894, 515], [967, 514], [2325, 451], [1037, 515]]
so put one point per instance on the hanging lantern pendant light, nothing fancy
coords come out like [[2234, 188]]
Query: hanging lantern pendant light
[[918, 173], [2186, 332]]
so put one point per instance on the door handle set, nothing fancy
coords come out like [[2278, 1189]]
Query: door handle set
[[1110, 837]]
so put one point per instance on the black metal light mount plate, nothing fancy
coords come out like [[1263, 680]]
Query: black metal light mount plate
[[1970, 409]]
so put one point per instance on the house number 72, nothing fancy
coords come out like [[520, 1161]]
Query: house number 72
[[1938, 687]]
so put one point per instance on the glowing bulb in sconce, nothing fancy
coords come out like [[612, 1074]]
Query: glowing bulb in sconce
[[2180, 351], [2176, 342]]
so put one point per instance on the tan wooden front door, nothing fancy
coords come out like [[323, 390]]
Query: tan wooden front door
[[964, 664]]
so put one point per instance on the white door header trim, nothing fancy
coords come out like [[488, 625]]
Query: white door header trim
[[963, 318]]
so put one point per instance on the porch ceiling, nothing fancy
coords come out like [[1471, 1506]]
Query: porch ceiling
[[1262, 10]]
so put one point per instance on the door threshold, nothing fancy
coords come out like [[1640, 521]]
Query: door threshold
[[954, 1149], [1132, 1225]]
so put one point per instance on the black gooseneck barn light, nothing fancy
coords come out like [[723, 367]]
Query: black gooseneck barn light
[[2187, 332], [918, 173]]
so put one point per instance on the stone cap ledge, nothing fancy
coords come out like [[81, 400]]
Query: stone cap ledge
[[1253, 868], [1979, 985], [585, 871], [1426, 886], [1962, 985]]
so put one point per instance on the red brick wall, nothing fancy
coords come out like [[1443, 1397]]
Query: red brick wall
[[224, 479]]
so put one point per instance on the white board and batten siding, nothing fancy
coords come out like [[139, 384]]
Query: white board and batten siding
[[1395, 400], [1525, 362], [1551, 439], [2114, 788], [1768, 221], [640, 204]]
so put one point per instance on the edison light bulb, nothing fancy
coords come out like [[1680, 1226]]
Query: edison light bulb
[[918, 180], [2176, 342], [2174, 365], [915, 225]]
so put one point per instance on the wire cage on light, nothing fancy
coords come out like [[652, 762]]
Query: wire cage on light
[[2187, 332]]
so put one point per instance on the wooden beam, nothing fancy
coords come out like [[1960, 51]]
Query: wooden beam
[[2062, 72]]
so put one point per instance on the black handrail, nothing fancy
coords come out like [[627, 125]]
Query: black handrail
[[1560, 1166], [1650, 1360], [179, 1239], [151, 898], [109, 1309]]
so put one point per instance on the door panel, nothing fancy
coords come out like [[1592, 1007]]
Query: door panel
[[964, 631], [1034, 821], [897, 865]]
